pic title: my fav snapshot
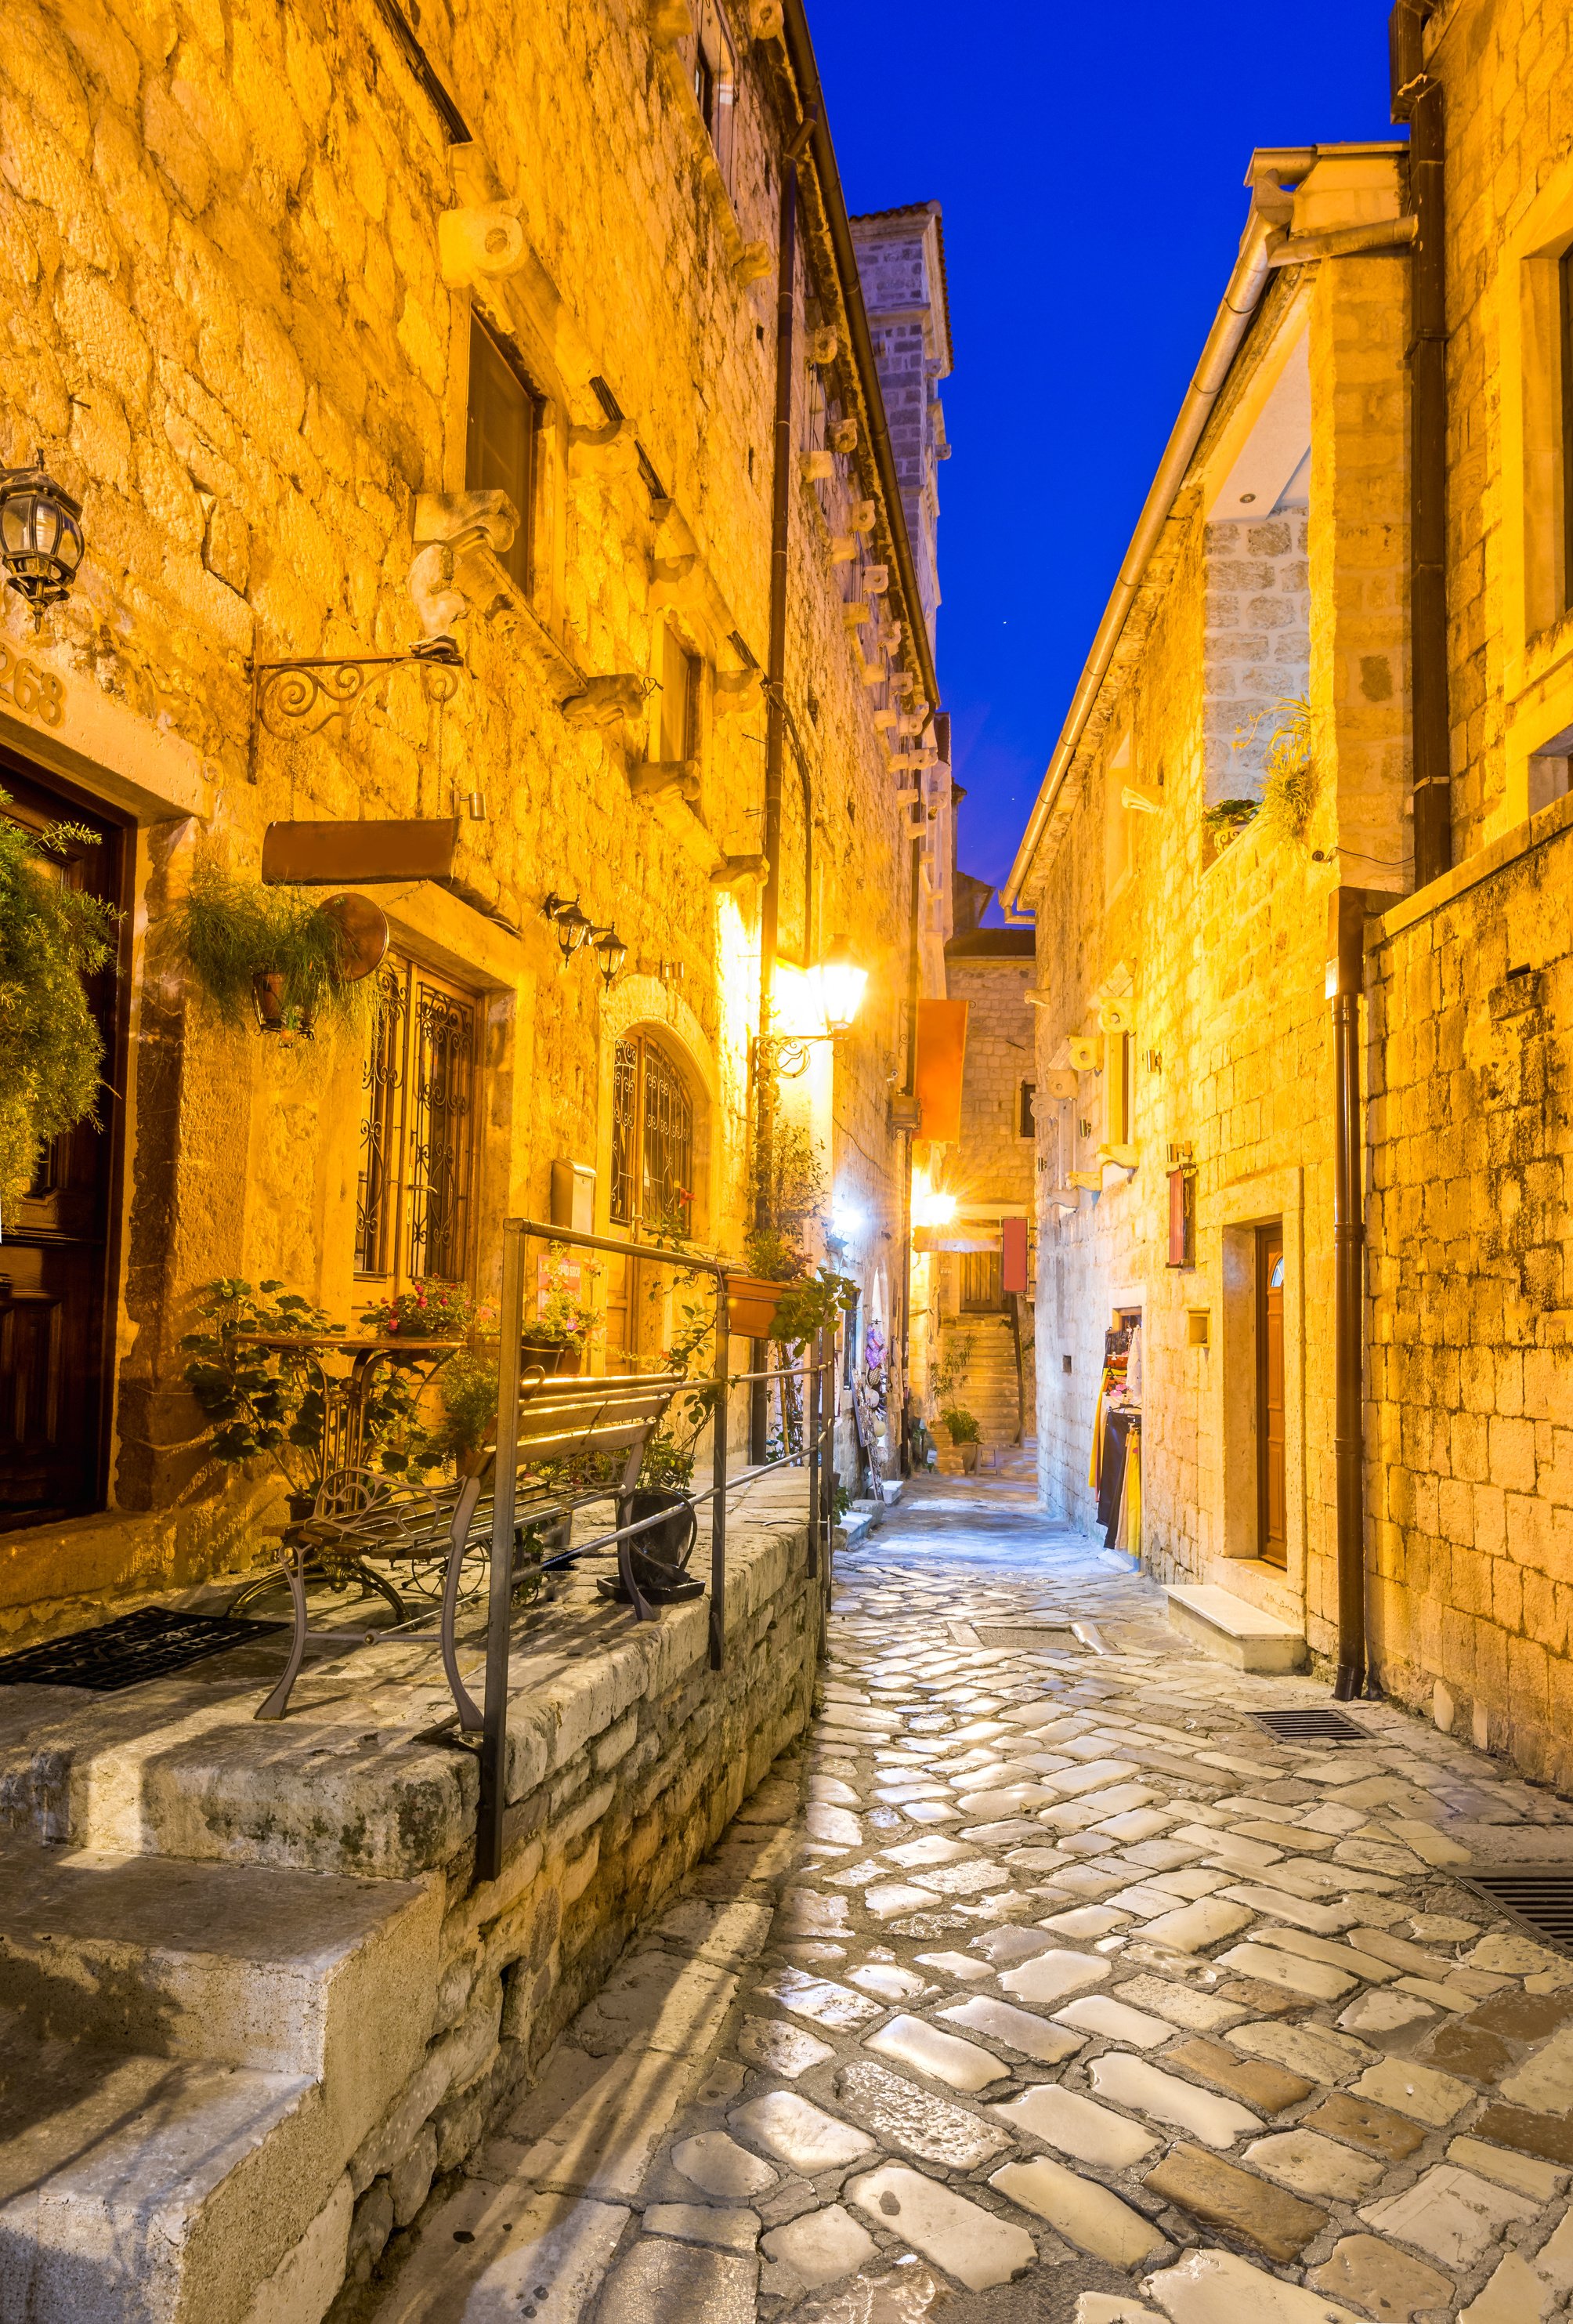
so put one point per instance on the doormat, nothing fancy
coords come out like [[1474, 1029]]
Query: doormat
[[151, 1643]]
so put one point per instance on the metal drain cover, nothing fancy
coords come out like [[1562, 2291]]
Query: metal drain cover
[[1051, 1638], [1538, 1896], [1314, 1726]]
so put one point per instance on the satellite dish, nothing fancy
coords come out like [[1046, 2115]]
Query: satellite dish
[[365, 935]]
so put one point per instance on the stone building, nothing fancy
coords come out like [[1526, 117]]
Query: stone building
[[348, 341], [1300, 870], [971, 1270]]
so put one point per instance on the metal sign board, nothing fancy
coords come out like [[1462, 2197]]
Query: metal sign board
[[327, 854]]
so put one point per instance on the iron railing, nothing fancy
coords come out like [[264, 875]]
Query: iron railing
[[818, 1427]]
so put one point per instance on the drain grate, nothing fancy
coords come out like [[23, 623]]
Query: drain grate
[[1051, 1639], [151, 1643], [1312, 1726], [1538, 1896]]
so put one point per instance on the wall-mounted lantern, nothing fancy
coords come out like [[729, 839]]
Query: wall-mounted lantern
[[614, 952], [842, 982], [572, 925], [41, 536]]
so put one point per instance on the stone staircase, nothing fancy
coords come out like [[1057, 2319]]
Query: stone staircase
[[189, 2054], [987, 1385]]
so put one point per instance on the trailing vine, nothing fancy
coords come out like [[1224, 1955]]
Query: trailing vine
[[51, 1052]]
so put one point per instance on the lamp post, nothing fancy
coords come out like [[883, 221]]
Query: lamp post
[[41, 536]]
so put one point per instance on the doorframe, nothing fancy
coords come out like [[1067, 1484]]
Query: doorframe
[[1226, 1234], [114, 1104]]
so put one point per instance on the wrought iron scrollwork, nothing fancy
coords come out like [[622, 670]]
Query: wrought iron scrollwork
[[301, 696]]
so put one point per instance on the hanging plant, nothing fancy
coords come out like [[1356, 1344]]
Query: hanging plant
[[51, 1051], [289, 956], [1225, 822], [1288, 783]]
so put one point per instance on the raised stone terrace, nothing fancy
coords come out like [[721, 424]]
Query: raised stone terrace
[[251, 2002]]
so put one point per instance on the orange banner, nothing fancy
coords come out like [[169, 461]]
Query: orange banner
[[942, 1051]]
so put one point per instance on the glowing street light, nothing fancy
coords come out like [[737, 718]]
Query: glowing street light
[[933, 1210], [841, 980]]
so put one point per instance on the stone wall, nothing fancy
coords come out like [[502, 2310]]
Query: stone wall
[[992, 1162], [1470, 1443], [240, 336], [1257, 643], [414, 2002]]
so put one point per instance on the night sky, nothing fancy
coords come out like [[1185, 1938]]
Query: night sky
[[1091, 161]]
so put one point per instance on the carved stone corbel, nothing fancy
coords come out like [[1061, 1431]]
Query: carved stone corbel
[[752, 262], [734, 871], [447, 526], [479, 244], [843, 549], [765, 19], [609, 451], [606, 700], [843, 436], [736, 690], [659, 776]]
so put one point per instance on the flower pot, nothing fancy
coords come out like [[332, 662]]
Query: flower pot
[[669, 1543], [969, 1453], [553, 1356], [301, 1506], [751, 1301], [270, 991]]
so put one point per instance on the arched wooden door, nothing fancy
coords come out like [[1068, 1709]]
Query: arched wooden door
[[652, 1192]]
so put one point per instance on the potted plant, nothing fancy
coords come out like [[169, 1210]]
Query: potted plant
[[292, 957], [555, 1336], [965, 1434], [773, 1296], [260, 1400], [51, 936]]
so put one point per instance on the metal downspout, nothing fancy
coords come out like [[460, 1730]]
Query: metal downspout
[[775, 729], [1417, 98], [1345, 977]]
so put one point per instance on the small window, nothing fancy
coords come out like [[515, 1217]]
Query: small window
[[680, 677], [417, 1132], [715, 80], [1026, 1124], [501, 438]]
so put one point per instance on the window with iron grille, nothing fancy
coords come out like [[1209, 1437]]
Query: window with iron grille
[[501, 429], [652, 1139], [415, 1192]]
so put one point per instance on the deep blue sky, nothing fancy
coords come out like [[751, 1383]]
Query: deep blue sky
[[1091, 161]]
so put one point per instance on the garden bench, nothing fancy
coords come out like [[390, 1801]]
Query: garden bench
[[566, 1429]]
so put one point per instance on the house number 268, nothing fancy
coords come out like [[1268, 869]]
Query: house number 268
[[37, 693]]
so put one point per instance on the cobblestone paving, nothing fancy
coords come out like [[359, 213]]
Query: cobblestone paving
[[1086, 1999]]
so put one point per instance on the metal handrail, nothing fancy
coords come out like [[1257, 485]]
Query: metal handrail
[[516, 1234]]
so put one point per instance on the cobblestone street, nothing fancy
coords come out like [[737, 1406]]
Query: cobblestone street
[[1049, 1985]]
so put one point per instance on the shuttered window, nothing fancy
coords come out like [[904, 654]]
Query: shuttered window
[[500, 440]]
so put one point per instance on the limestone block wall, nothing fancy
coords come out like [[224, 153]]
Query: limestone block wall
[[234, 339], [1470, 1425], [992, 1162], [1257, 642]]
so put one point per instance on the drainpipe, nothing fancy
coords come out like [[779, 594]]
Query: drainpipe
[[775, 724], [1344, 976], [1417, 98]]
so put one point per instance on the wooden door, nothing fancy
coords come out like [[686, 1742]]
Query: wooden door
[[56, 1253], [1272, 1510], [981, 1283]]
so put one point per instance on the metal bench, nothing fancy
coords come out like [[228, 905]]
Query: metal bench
[[578, 1441]]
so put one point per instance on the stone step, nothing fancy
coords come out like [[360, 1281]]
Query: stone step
[[1234, 1632], [163, 2190], [286, 1972], [189, 2054]]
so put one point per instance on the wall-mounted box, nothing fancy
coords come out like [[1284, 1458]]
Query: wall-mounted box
[[1199, 1327]]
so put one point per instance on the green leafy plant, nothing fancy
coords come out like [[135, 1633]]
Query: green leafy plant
[[786, 1199], [948, 1371], [428, 1310], [668, 1460], [51, 1052], [811, 1305], [232, 931], [259, 1400], [565, 1313], [467, 1392], [1289, 777], [1224, 822], [962, 1425]]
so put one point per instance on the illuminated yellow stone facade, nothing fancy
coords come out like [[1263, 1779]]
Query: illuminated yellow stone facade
[[250, 254], [1183, 960]]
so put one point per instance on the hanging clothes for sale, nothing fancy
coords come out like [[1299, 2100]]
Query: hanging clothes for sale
[[1127, 1532]]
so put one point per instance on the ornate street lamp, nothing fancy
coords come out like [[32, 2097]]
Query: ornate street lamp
[[572, 925], [841, 986], [614, 952], [41, 535]]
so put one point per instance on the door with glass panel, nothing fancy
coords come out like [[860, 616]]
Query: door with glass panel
[[416, 1190], [652, 1194]]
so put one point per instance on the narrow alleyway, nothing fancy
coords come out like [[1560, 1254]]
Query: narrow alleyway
[[1047, 1984]]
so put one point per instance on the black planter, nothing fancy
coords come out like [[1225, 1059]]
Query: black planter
[[671, 1544]]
